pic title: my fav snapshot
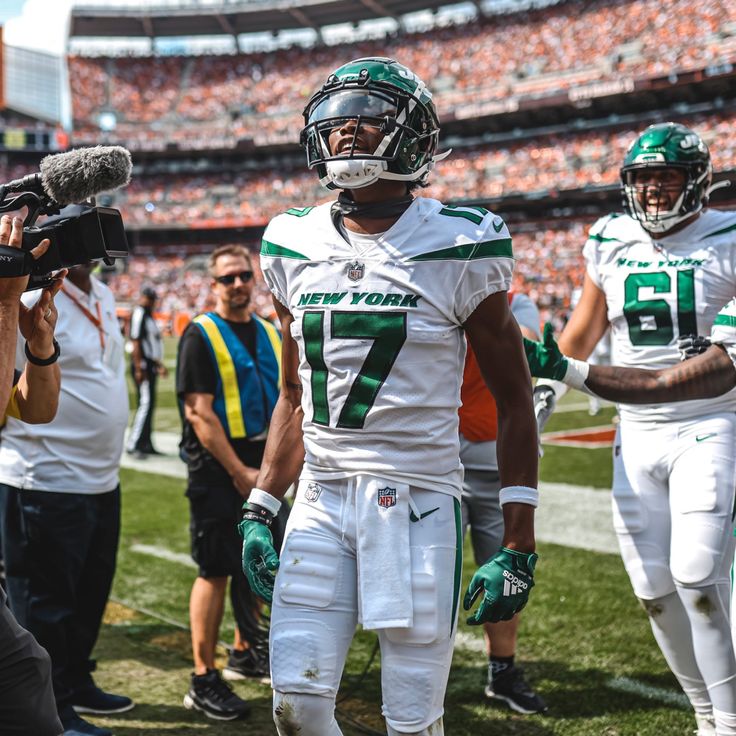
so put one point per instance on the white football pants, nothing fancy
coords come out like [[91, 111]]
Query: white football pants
[[673, 503], [315, 611]]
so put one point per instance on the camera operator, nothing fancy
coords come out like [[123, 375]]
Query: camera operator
[[27, 706], [61, 519]]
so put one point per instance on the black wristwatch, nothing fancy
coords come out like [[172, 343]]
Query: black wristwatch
[[44, 361]]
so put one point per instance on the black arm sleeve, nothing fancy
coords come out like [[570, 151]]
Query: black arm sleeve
[[195, 371]]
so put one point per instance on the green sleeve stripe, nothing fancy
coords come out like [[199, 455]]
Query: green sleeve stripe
[[500, 248], [602, 239], [299, 211], [450, 211], [728, 229], [725, 319], [271, 249]]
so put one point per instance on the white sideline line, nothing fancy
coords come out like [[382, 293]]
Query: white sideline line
[[163, 554], [633, 687]]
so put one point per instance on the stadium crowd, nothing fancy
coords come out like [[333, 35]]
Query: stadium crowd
[[258, 96], [540, 165]]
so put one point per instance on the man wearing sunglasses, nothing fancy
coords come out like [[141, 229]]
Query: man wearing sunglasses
[[227, 382]]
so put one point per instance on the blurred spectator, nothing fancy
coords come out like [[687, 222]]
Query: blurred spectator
[[61, 517], [146, 364]]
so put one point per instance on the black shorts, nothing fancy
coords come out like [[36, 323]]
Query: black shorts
[[214, 515]]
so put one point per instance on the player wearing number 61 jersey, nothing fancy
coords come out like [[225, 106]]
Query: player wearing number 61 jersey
[[376, 292], [658, 289], [663, 270]]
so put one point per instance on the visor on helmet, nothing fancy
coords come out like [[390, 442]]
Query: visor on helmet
[[353, 103]]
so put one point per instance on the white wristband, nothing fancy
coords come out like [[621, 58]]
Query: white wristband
[[519, 494], [266, 500], [577, 372]]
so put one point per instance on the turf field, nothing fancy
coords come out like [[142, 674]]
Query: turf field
[[584, 642]]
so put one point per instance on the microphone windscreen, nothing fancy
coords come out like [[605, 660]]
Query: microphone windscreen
[[77, 175]]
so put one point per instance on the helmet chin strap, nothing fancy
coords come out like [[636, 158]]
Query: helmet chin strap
[[346, 205]]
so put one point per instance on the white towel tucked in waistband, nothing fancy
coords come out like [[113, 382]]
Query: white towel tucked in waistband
[[383, 553]]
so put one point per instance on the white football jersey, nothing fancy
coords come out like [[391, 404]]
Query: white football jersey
[[657, 290], [379, 330]]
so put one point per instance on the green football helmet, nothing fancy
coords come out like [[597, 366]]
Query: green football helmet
[[384, 94], [667, 145]]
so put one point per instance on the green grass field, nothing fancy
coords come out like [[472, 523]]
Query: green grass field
[[584, 642]]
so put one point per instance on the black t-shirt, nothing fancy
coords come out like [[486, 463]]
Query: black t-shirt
[[196, 373]]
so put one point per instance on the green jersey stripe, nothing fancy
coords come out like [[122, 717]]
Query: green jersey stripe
[[725, 319], [299, 211], [500, 248], [602, 239], [728, 229], [451, 211], [271, 249]]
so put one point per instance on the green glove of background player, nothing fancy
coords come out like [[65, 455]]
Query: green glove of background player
[[544, 358], [505, 581], [260, 560]]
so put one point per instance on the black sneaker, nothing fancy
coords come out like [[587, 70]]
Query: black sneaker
[[94, 700], [73, 725], [511, 687], [245, 663], [215, 698]]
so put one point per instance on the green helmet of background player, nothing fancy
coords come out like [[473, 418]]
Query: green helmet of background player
[[667, 145], [388, 96]]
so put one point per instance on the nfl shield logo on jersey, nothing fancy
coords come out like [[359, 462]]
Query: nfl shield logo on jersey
[[312, 492], [386, 497], [356, 271]]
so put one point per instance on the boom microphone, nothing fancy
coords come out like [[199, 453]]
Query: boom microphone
[[75, 176]]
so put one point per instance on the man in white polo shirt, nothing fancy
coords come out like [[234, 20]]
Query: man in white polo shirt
[[60, 496]]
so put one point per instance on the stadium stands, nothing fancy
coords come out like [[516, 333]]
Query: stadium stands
[[544, 165], [179, 111], [259, 97]]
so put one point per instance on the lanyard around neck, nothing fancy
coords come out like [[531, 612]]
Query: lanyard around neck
[[96, 320]]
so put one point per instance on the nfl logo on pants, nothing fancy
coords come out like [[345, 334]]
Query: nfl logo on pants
[[386, 497]]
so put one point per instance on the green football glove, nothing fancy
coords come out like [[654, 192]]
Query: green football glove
[[505, 581], [544, 358], [259, 559]]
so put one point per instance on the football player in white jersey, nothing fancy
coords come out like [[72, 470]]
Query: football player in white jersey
[[375, 292], [660, 271]]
